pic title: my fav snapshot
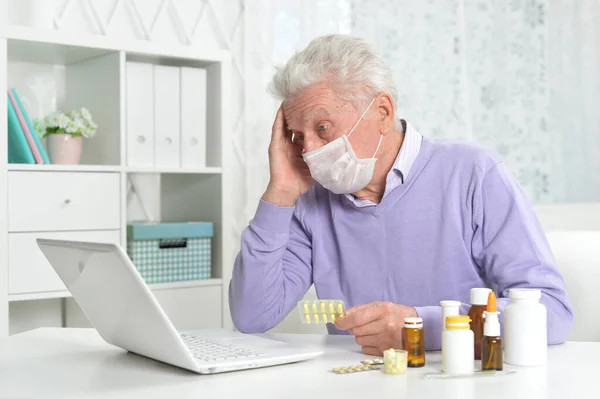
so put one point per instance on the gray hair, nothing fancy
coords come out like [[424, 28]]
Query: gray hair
[[355, 72]]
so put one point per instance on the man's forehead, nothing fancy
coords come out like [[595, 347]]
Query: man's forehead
[[306, 115], [310, 114], [297, 115]]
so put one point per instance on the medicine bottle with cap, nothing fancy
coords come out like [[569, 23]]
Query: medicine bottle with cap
[[479, 297], [457, 346], [449, 308], [491, 344], [525, 318], [413, 341]]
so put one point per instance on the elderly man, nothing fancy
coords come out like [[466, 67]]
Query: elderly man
[[373, 213]]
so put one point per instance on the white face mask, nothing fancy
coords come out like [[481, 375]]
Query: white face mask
[[337, 168]]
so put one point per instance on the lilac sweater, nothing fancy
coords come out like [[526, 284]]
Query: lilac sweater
[[459, 221]]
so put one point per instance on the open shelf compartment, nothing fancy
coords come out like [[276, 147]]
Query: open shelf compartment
[[50, 77]]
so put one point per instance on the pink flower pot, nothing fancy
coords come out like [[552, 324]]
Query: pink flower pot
[[64, 148]]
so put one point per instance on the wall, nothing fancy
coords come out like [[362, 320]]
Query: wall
[[519, 75]]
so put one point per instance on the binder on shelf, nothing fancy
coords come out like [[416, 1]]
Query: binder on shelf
[[193, 117], [166, 116], [18, 149], [32, 130], [24, 129], [140, 114]]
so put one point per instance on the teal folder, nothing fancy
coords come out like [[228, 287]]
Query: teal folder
[[18, 149], [34, 132]]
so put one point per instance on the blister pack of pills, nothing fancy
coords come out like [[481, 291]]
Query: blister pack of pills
[[353, 369], [378, 361], [321, 311]]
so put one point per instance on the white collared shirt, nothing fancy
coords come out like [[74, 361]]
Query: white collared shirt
[[404, 161]]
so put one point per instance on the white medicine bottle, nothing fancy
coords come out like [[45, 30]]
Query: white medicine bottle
[[458, 346], [525, 336]]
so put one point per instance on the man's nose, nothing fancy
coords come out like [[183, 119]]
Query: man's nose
[[311, 142]]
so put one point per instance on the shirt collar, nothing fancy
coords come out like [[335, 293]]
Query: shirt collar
[[409, 150]]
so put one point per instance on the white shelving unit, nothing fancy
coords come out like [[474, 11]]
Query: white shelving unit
[[90, 200]]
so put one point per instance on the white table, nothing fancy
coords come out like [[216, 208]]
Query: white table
[[65, 363]]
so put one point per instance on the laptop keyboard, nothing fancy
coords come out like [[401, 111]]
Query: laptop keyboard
[[208, 351]]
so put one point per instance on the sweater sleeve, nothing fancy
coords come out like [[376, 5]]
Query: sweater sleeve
[[272, 271], [510, 247]]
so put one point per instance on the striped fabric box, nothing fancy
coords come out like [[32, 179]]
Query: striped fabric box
[[170, 252]]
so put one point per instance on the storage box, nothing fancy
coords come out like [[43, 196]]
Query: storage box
[[169, 252]]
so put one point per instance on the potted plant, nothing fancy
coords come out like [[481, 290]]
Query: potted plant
[[65, 132]]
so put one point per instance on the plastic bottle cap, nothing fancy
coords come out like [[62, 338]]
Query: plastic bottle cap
[[491, 303], [413, 322], [479, 296], [458, 322], [491, 327], [450, 303], [524, 293]]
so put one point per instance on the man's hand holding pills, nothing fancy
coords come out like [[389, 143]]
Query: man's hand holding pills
[[377, 326]]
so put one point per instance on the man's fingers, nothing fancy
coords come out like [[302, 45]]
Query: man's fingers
[[278, 131], [372, 351], [368, 340], [375, 327], [362, 315], [357, 308]]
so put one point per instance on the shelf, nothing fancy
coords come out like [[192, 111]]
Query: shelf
[[64, 168], [50, 46], [50, 53], [111, 168], [205, 170], [187, 284], [154, 287], [64, 70], [30, 296]]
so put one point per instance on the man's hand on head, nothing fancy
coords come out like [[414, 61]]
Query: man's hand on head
[[377, 326]]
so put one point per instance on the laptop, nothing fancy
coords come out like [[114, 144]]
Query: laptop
[[116, 300]]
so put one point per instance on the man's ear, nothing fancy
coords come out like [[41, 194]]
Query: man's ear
[[386, 112]]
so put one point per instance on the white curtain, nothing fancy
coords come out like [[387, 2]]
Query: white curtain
[[573, 65], [274, 30], [518, 75]]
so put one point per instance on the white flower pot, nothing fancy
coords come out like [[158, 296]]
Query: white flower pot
[[64, 148]]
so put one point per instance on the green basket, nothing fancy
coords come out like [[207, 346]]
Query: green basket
[[171, 252]]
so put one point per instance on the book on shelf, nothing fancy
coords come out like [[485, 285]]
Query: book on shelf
[[18, 149], [24, 143], [32, 129]]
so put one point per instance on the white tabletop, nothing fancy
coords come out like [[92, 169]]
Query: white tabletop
[[65, 363]]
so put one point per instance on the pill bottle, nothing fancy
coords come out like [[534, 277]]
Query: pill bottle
[[525, 339], [491, 344], [449, 308], [413, 341], [479, 297], [457, 346]]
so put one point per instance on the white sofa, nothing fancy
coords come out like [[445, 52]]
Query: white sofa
[[573, 231], [578, 256]]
